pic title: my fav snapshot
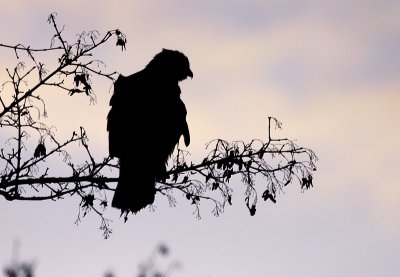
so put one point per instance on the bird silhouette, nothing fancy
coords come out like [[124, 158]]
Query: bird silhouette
[[145, 123]]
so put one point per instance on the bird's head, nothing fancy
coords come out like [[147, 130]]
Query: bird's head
[[172, 64]]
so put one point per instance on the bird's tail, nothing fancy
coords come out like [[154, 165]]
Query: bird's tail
[[135, 189]]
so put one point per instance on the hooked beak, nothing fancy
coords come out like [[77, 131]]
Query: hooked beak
[[190, 74]]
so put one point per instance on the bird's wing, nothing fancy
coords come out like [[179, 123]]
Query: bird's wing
[[114, 117], [125, 112]]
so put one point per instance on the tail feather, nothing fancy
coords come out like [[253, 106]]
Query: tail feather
[[134, 191]]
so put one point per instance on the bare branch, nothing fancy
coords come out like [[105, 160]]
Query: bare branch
[[33, 157]]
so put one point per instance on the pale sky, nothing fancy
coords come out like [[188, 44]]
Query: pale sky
[[328, 70]]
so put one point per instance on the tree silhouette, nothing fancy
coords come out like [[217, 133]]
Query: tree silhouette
[[22, 269], [18, 268], [150, 267], [29, 153]]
